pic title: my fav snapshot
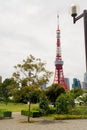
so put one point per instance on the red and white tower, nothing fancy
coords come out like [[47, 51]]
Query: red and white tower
[[59, 75]]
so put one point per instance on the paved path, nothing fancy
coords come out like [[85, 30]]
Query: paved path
[[19, 123]]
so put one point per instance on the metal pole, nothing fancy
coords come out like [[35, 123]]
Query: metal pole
[[84, 15], [28, 111], [85, 34]]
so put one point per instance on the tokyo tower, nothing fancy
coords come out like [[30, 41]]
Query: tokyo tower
[[59, 75]]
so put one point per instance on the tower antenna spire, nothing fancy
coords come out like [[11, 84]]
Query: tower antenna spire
[[59, 75], [58, 20]]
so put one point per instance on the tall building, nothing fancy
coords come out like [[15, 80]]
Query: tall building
[[85, 77], [59, 75], [84, 83], [76, 83]]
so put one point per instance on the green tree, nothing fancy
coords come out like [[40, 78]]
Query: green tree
[[53, 91], [7, 89], [76, 92], [31, 93], [1, 92], [32, 71]]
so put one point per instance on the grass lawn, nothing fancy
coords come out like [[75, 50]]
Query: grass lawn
[[16, 107], [79, 112]]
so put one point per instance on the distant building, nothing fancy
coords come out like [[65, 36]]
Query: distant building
[[85, 77], [76, 83], [84, 83], [67, 82]]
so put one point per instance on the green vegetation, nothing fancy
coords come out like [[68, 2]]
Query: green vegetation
[[33, 113], [4, 114], [44, 105], [53, 91], [29, 76], [25, 85], [64, 103], [17, 107], [65, 117], [79, 110]]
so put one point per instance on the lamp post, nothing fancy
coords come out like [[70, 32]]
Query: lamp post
[[76, 18], [29, 103]]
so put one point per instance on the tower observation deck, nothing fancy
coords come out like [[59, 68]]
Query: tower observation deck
[[59, 75]]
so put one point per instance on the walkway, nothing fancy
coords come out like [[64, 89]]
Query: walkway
[[18, 122]]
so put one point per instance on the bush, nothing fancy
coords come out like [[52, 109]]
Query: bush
[[5, 113], [36, 114], [65, 117], [79, 111], [64, 103], [61, 105], [25, 112], [33, 113], [44, 106], [53, 91], [52, 110]]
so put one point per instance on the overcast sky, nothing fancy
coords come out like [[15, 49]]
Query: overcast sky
[[29, 27]]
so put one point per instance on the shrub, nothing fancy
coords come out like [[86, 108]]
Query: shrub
[[52, 110], [33, 113], [36, 114], [44, 105], [82, 110], [4, 113], [25, 112], [53, 91], [64, 103], [61, 105], [7, 114], [65, 117]]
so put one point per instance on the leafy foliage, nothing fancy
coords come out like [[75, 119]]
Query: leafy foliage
[[53, 92], [30, 93], [7, 88], [76, 92], [44, 105], [32, 71], [64, 103]]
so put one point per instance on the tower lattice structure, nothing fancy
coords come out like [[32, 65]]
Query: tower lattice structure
[[59, 75]]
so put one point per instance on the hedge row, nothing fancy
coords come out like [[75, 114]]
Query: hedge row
[[65, 117], [37, 113], [5, 114], [33, 113]]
